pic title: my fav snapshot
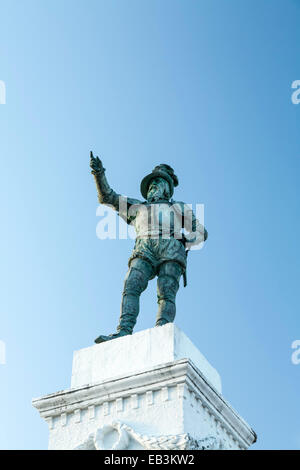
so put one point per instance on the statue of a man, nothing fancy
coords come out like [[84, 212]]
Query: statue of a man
[[160, 247]]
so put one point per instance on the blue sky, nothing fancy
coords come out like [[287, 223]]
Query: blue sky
[[202, 85]]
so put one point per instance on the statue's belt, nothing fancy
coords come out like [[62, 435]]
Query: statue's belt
[[161, 236]]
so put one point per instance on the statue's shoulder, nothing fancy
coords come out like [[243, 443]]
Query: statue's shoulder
[[182, 207], [172, 201], [134, 202], [178, 204]]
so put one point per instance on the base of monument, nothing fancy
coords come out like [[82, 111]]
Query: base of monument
[[151, 390]]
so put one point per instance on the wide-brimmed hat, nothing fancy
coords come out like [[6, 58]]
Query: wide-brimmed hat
[[160, 171]]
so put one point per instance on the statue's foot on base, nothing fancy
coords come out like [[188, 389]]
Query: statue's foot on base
[[162, 322], [103, 338]]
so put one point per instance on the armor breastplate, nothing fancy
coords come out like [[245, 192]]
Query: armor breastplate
[[156, 220]]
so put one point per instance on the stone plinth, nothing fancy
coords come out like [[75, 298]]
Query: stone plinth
[[136, 353], [151, 390]]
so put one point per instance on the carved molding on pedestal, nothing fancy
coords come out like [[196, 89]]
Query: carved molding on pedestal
[[119, 436]]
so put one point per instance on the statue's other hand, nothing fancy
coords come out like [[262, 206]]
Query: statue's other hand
[[95, 164]]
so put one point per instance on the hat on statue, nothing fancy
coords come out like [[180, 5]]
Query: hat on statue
[[160, 171]]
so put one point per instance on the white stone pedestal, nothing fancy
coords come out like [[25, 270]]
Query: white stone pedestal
[[151, 390]]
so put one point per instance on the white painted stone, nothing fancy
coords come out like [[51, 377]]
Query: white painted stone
[[172, 405], [91, 410], [138, 352]]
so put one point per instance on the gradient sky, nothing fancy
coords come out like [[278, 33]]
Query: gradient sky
[[202, 85]]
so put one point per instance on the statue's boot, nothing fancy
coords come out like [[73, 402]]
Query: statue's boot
[[136, 281], [167, 287], [103, 338]]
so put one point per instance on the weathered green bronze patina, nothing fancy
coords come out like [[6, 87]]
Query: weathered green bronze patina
[[160, 249]]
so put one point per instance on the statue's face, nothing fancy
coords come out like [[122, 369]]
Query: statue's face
[[158, 189]]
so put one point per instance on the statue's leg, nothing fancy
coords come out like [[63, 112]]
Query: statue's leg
[[167, 287], [136, 281]]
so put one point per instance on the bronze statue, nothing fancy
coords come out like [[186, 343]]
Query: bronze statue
[[160, 248]]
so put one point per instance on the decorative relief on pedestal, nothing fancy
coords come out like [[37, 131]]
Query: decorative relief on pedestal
[[165, 394], [77, 414], [50, 422], [63, 419], [106, 408], [91, 412], [149, 398], [119, 404], [134, 401], [119, 436]]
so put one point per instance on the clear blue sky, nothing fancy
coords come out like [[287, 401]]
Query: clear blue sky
[[202, 85]]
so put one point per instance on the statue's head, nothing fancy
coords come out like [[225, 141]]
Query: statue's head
[[160, 183], [158, 189]]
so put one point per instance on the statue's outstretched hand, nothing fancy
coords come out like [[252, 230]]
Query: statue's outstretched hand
[[96, 164]]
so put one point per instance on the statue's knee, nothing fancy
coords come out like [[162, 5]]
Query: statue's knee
[[143, 266], [135, 282], [170, 269], [167, 287], [168, 281]]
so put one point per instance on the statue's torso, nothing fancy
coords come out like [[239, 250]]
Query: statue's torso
[[156, 220]]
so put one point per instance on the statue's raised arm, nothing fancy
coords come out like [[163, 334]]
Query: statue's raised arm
[[106, 195]]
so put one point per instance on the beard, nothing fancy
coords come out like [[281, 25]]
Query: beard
[[158, 192]]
